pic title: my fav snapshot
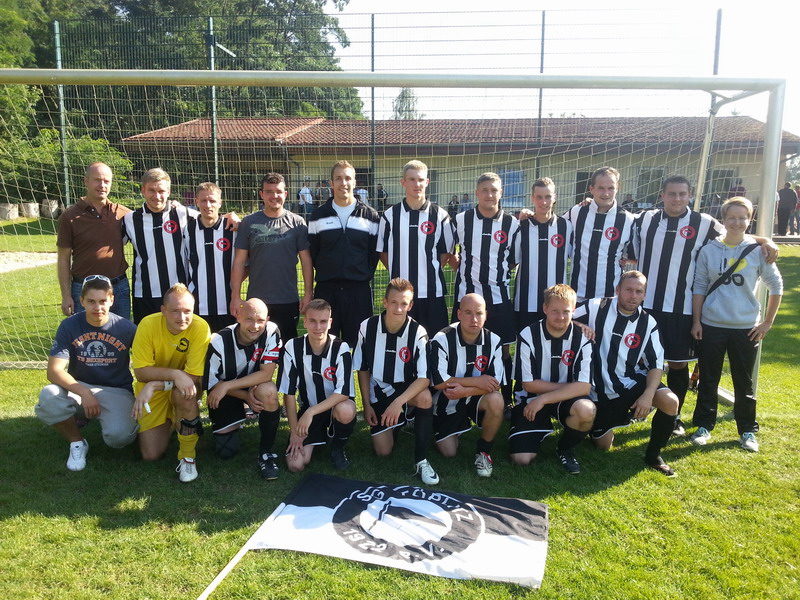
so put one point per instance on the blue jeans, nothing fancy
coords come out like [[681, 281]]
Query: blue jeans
[[122, 297]]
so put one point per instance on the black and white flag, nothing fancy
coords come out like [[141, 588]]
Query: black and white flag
[[413, 528]]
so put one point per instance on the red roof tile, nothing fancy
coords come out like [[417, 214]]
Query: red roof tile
[[554, 131]]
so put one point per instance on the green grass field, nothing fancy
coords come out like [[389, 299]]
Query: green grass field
[[726, 527]]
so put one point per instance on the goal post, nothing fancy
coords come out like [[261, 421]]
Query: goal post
[[714, 85], [459, 163]]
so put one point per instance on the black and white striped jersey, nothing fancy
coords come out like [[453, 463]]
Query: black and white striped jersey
[[667, 248], [394, 360], [312, 378], [541, 251], [486, 251], [601, 241], [450, 356], [625, 345], [564, 359], [210, 258], [159, 260], [228, 360], [414, 240]]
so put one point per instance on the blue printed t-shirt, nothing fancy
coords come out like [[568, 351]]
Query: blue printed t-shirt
[[96, 355]]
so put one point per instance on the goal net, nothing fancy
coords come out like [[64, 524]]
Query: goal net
[[465, 97]]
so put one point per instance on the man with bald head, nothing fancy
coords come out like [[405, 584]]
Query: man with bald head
[[90, 243], [239, 367], [465, 362]]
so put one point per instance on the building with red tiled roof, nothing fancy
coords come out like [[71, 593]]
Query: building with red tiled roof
[[644, 149]]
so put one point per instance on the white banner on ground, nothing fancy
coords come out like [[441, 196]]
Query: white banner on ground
[[412, 528]]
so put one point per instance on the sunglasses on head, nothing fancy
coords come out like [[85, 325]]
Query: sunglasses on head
[[93, 277]]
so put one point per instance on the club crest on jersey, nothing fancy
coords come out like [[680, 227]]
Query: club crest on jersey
[[405, 354], [612, 234], [557, 241], [481, 362], [223, 244], [329, 373], [500, 237], [170, 226], [256, 355], [568, 357], [406, 523], [427, 227], [183, 345], [688, 232], [632, 340]]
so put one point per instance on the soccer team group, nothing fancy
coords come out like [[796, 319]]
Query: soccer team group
[[592, 333]]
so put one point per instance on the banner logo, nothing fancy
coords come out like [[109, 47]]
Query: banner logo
[[406, 523]]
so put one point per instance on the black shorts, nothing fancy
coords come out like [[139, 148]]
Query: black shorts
[[145, 306], [230, 411], [351, 302], [285, 316], [675, 330], [616, 412], [499, 320], [523, 318], [447, 425], [431, 313], [380, 407], [527, 436], [321, 429]]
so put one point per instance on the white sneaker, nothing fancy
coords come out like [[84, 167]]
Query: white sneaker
[[76, 461], [187, 470], [748, 441], [426, 472], [700, 437], [483, 464]]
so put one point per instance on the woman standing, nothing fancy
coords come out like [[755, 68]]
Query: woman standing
[[726, 319]]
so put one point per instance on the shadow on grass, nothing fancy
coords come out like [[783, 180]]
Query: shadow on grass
[[30, 227], [122, 491]]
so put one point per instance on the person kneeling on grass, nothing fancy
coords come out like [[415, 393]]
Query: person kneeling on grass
[[320, 367], [89, 373], [465, 362], [553, 366], [239, 367], [725, 319], [392, 365], [627, 368], [168, 357]]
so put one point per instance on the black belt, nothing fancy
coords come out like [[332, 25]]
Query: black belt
[[112, 280]]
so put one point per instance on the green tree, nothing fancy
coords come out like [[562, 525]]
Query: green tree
[[30, 169], [17, 102], [151, 34], [404, 107]]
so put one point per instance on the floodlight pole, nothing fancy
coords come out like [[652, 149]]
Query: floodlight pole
[[373, 159], [210, 42], [62, 115], [537, 164]]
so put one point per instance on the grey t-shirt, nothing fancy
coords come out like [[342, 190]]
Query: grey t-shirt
[[273, 245], [96, 355]]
